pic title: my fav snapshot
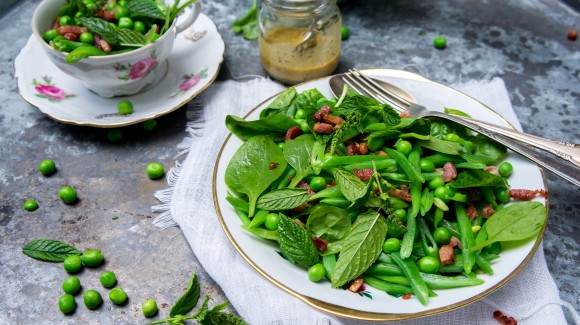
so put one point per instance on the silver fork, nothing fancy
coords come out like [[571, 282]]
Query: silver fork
[[516, 141]]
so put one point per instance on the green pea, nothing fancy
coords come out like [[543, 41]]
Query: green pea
[[404, 147], [67, 304], [149, 125], [111, 5], [67, 194], [139, 27], [429, 264], [149, 308], [108, 279], [436, 182], [66, 21], [87, 38], [49, 35], [155, 170], [118, 296], [92, 299], [92, 258], [72, 264], [453, 137], [125, 22], [272, 221], [440, 42], [47, 167], [344, 32], [300, 114], [316, 272], [30, 205], [115, 135], [125, 107], [318, 183], [469, 146], [505, 169], [502, 194], [281, 145], [427, 166], [391, 245], [71, 285], [121, 11], [442, 236], [122, 3], [303, 126], [400, 214], [443, 193]]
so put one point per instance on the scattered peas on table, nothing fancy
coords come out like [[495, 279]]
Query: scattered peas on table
[[30, 205], [440, 42], [67, 303], [108, 279], [73, 264], [149, 308], [71, 285], [47, 167], [155, 170], [115, 135], [92, 299], [92, 258], [118, 296], [67, 194], [125, 107]]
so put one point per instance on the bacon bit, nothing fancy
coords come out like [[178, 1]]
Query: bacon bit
[[406, 296], [300, 223], [487, 210], [101, 44], [526, 195], [471, 211], [572, 34], [321, 114], [472, 193], [273, 165], [352, 149], [323, 128], [301, 208], [356, 285], [320, 243], [56, 23], [401, 195], [364, 174], [164, 305], [292, 133], [307, 187], [63, 30], [491, 170], [404, 188], [363, 148], [446, 254], [449, 172], [503, 319], [335, 120], [71, 37], [405, 113], [454, 242]]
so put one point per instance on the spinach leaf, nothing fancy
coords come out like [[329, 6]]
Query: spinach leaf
[[352, 187], [146, 8], [101, 27], [484, 146], [248, 25], [361, 247], [448, 147], [297, 153], [49, 250], [283, 199], [188, 300], [329, 223], [281, 104], [414, 125], [295, 243], [476, 178], [440, 128], [271, 125], [250, 171], [518, 221]]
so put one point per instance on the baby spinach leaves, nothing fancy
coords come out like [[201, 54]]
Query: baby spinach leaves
[[518, 221], [351, 186], [361, 247], [248, 25], [188, 300], [297, 154], [49, 250], [329, 223], [275, 125], [256, 164], [295, 243]]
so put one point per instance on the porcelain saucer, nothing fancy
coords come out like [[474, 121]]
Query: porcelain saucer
[[193, 65]]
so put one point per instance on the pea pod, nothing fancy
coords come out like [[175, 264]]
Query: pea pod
[[238, 203], [412, 171], [262, 233], [489, 196], [452, 229], [82, 52], [409, 236], [329, 261], [243, 217], [382, 165], [439, 159], [437, 217], [383, 268], [483, 263], [331, 192], [258, 219], [435, 281], [338, 161], [341, 203], [286, 178], [390, 288], [412, 273], [466, 238], [65, 45]]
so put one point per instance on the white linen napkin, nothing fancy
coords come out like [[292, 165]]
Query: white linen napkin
[[532, 297]]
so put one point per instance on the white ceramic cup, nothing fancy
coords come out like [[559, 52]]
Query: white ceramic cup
[[118, 74]]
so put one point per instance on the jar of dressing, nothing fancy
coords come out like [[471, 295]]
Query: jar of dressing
[[299, 39]]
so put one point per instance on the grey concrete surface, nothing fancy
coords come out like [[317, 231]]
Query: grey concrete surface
[[523, 42]]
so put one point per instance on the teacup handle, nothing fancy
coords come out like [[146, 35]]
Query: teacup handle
[[190, 18]]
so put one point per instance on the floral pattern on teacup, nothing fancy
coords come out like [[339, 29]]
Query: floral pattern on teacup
[[189, 81], [46, 89], [139, 69]]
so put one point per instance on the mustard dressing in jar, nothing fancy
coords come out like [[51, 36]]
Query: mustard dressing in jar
[[299, 39]]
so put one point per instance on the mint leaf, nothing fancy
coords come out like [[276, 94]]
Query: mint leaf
[[49, 250], [101, 27], [352, 187], [129, 37], [188, 300], [283, 199], [518, 221], [476, 178], [361, 247], [295, 243], [146, 8]]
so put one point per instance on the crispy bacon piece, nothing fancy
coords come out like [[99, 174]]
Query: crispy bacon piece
[[321, 114], [381, 153], [307, 187], [406, 296], [526, 195], [356, 285], [320, 243], [101, 44], [292, 133], [471, 211], [301, 208], [487, 210], [71, 37], [503, 319], [491, 170], [364, 174], [63, 30], [454, 242], [323, 128], [449, 172], [273, 165], [56, 23], [446, 254], [331, 119], [405, 113], [363, 148], [401, 195]]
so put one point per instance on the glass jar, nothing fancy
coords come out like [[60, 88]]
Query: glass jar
[[299, 39]]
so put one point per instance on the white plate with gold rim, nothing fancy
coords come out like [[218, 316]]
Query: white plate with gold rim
[[193, 65], [263, 257]]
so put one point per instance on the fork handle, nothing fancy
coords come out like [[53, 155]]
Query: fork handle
[[569, 172]]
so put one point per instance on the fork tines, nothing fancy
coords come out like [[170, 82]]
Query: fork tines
[[366, 86]]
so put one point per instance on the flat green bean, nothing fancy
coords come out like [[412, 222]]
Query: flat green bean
[[412, 273], [466, 238]]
